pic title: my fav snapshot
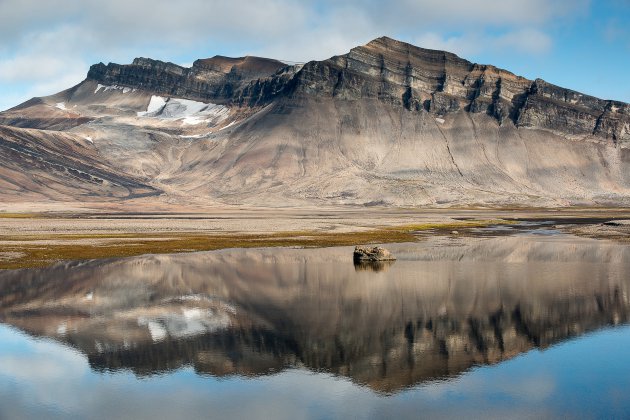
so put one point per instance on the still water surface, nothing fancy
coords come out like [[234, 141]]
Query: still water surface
[[518, 326]]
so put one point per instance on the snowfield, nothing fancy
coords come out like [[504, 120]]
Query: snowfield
[[190, 112], [113, 87], [156, 105]]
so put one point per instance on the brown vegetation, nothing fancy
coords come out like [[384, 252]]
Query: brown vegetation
[[23, 253]]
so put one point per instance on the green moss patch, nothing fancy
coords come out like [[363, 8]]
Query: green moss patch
[[124, 245]]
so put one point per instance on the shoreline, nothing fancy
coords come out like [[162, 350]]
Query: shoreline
[[30, 240]]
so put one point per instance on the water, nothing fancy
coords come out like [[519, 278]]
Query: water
[[518, 326]]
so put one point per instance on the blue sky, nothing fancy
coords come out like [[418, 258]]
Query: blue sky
[[49, 46], [587, 377]]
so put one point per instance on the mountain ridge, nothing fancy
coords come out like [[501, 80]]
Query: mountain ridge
[[387, 123], [455, 84]]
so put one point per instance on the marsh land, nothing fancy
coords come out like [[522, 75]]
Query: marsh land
[[37, 239]]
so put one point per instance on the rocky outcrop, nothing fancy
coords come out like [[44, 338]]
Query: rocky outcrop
[[441, 83], [552, 107], [371, 254], [216, 79], [390, 71]]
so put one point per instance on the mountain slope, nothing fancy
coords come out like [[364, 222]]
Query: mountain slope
[[388, 123], [50, 166]]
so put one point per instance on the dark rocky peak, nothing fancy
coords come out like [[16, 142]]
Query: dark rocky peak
[[553, 107], [399, 51], [148, 63], [443, 83], [552, 92], [218, 79], [248, 67], [414, 77], [390, 71]]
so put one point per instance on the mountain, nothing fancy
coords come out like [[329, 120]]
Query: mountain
[[386, 124]]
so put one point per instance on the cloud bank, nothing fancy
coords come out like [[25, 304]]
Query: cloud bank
[[49, 45]]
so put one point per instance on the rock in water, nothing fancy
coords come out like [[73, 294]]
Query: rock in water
[[371, 253]]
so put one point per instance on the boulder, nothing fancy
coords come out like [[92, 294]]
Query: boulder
[[371, 253]]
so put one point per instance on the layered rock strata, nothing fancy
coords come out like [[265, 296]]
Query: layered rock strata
[[215, 79], [391, 71]]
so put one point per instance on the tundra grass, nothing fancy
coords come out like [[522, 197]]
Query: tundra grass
[[20, 215], [29, 255]]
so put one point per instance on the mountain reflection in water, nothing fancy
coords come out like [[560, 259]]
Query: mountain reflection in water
[[446, 305]]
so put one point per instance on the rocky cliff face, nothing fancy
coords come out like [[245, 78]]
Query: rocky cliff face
[[214, 79], [442, 83], [391, 71]]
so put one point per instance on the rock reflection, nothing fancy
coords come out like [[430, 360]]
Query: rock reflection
[[372, 265], [446, 305]]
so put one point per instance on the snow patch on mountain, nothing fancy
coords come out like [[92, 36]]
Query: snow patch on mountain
[[155, 106], [113, 87], [229, 125], [189, 112], [195, 136]]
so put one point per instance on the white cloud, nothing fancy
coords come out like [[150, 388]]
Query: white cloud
[[527, 40], [145, 21], [36, 73], [36, 68], [463, 45], [40, 84], [488, 12], [47, 43], [107, 27]]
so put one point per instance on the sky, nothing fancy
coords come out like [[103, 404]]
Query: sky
[[48, 46]]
